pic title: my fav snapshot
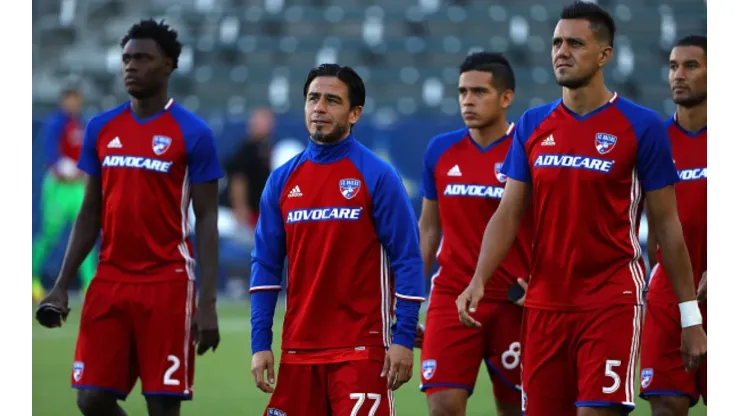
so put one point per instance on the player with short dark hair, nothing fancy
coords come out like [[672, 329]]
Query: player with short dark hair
[[145, 161], [344, 221], [587, 162], [462, 185], [664, 382]]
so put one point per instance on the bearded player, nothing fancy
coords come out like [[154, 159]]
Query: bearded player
[[463, 186], [586, 162], [664, 381]]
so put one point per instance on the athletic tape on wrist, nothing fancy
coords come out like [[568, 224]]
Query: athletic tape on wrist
[[690, 313]]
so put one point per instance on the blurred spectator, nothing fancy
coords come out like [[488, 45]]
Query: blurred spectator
[[63, 188], [249, 168]]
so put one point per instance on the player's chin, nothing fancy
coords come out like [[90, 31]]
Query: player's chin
[[136, 91]]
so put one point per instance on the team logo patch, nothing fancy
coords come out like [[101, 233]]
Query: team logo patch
[[275, 412], [646, 377], [160, 144], [427, 368], [605, 142], [77, 368], [500, 176], [349, 187]]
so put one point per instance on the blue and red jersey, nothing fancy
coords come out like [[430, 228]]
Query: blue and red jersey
[[147, 168], [690, 157], [467, 183], [343, 219], [63, 135], [589, 175]]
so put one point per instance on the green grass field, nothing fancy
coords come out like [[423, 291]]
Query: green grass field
[[223, 383]]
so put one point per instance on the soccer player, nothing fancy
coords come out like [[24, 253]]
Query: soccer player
[[664, 382], [63, 186], [145, 161], [586, 162], [345, 222], [462, 187]]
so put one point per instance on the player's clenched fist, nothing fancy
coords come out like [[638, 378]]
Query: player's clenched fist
[[264, 361], [467, 302], [399, 362], [693, 346], [205, 328]]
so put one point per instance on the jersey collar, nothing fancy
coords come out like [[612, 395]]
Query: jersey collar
[[329, 153]]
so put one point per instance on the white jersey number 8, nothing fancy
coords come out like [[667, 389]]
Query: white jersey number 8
[[510, 358]]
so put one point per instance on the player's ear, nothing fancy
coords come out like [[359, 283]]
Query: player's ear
[[606, 55], [506, 98], [354, 114]]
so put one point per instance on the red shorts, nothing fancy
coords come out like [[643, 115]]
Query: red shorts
[[136, 330], [346, 388], [579, 359], [663, 372], [451, 353]]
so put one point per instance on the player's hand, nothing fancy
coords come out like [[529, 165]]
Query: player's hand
[[523, 283], [701, 291], [419, 339], [399, 363], [205, 328], [693, 346], [467, 302], [264, 361], [53, 310]]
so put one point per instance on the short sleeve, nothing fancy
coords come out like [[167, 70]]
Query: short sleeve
[[428, 183], [516, 164], [203, 163], [655, 167], [89, 162]]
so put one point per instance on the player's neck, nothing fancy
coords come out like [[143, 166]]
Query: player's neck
[[588, 98], [147, 107], [486, 136], [693, 118]]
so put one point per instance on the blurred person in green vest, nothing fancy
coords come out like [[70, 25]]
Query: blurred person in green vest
[[63, 186]]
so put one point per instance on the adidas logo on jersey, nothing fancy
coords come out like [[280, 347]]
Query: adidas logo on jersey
[[578, 162], [323, 214], [549, 141], [692, 174], [137, 162], [295, 192], [115, 143], [455, 171], [482, 191]]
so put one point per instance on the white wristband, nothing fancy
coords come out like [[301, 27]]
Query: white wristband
[[690, 313]]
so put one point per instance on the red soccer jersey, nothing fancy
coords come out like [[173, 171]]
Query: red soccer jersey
[[690, 156], [345, 222], [147, 168], [467, 183], [589, 175]]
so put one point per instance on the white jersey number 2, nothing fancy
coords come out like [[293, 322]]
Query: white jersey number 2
[[360, 397], [168, 380]]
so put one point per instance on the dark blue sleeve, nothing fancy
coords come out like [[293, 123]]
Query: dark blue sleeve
[[268, 257], [89, 161], [516, 164], [395, 225], [655, 167], [428, 183], [203, 164], [53, 130]]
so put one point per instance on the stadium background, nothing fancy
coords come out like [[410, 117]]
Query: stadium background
[[243, 54]]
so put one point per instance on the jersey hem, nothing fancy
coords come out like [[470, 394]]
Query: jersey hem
[[579, 308]]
